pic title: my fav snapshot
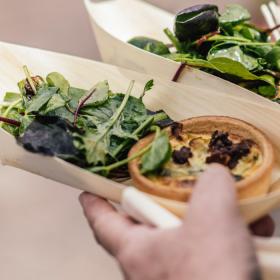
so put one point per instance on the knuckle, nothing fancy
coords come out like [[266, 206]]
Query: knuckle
[[130, 258]]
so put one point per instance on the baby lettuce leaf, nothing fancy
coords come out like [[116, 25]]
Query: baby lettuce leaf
[[42, 97], [11, 97], [150, 45], [57, 80], [158, 155], [14, 115], [234, 14]]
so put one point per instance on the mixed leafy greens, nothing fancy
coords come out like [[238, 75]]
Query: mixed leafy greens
[[93, 129], [225, 45]]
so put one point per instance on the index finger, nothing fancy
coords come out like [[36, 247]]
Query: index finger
[[109, 227]]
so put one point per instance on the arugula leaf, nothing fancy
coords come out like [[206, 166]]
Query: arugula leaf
[[149, 85], [158, 155], [41, 98], [55, 79]]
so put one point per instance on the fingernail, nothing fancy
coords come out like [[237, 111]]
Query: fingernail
[[86, 198]]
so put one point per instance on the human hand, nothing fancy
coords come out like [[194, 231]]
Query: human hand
[[213, 242]]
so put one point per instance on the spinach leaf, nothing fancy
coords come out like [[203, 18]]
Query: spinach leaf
[[150, 45], [250, 32], [234, 14], [273, 58], [158, 155], [259, 51], [267, 91], [26, 120], [75, 94], [54, 103], [185, 58], [57, 80], [100, 94], [62, 113], [96, 143], [236, 54], [222, 65], [103, 113], [41, 98], [228, 66]]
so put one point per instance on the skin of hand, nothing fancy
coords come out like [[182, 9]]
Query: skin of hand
[[213, 243]]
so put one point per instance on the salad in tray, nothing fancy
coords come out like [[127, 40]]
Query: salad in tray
[[115, 135], [93, 129], [225, 44]]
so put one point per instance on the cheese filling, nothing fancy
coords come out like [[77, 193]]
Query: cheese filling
[[201, 153]]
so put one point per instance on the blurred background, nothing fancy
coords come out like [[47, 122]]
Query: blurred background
[[42, 214], [63, 26]]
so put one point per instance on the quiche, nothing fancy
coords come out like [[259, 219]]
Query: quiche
[[198, 142]]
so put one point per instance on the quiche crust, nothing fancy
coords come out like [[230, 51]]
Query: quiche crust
[[256, 184]]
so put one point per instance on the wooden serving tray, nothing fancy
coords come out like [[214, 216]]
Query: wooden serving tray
[[112, 33], [179, 101]]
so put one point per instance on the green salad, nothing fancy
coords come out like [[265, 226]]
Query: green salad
[[224, 44], [93, 129]]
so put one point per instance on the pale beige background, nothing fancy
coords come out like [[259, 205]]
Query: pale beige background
[[43, 235]]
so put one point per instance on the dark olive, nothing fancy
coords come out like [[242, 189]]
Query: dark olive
[[194, 22]]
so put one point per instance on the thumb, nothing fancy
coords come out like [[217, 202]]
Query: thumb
[[214, 222], [215, 195]]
